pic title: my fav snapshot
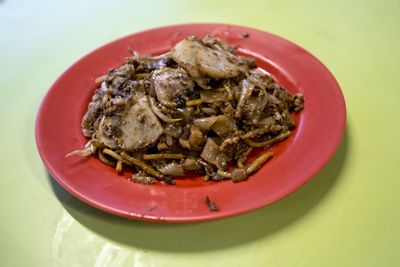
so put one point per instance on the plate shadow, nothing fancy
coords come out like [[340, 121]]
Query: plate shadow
[[211, 235]]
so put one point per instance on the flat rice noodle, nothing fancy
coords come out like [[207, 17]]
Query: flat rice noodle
[[206, 123], [247, 89], [212, 154], [211, 96], [224, 126]]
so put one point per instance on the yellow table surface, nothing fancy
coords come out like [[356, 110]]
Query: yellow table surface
[[348, 215]]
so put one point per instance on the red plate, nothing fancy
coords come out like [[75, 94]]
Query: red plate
[[298, 159]]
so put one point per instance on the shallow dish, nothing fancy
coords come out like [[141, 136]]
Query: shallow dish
[[320, 127]]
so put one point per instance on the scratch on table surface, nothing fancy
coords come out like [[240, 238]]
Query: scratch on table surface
[[111, 255], [63, 225]]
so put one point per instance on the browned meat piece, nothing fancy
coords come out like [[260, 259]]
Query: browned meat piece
[[218, 64], [216, 43], [108, 131], [184, 54], [170, 83], [91, 119], [199, 60], [147, 63], [125, 71], [297, 104], [136, 129]]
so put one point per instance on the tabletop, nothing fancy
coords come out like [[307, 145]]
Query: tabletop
[[347, 215]]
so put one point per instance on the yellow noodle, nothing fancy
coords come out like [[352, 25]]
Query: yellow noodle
[[116, 156], [112, 154], [224, 174], [243, 157], [118, 168], [104, 159], [277, 138], [194, 102], [142, 165], [228, 142], [163, 156], [259, 162]]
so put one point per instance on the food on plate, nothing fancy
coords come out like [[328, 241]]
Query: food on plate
[[197, 108]]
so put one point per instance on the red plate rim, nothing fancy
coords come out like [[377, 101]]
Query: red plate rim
[[318, 134]]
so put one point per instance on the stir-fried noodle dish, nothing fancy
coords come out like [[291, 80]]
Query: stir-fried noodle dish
[[199, 108]]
